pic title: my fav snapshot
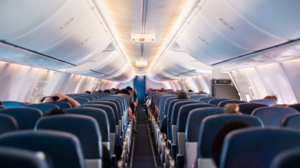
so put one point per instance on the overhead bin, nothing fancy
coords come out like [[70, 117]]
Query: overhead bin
[[68, 31]]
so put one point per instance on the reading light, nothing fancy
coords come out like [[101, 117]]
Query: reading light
[[141, 63]]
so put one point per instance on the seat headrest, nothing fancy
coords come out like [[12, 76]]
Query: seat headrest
[[211, 125], [194, 120], [295, 106], [26, 117], [84, 127], [7, 124], [287, 159], [223, 103], [63, 149], [81, 100], [271, 116], [264, 101], [215, 101], [256, 147], [110, 104], [10, 104], [248, 108], [291, 121], [97, 114], [61, 105], [207, 99], [44, 107], [176, 108]]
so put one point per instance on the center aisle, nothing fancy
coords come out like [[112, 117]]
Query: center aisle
[[142, 153]]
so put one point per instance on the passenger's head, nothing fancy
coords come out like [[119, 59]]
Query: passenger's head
[[128, 88], [46, 99], [125, 91], [113, 89], [274, 98], [54, 112], [88, 92], [118, 92], [232, 108], [182, 95], [190, 91], [99, 91], [106, 91], [217, 142]]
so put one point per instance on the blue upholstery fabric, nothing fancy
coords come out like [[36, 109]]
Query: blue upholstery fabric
[[18, 158], [167, 105], [184, 112], [287, 159], [194, 120], [89, 97], [263, 101], [110, 104], [223, 103], [216, 101], [26, 117], [271, 116], [256, 147], [248, 108], [44, 107], [84, 127], [10, 104], [291, 121], [163, 101], [97, 114], [61, 105], [117, 102], [7, 124], [109, 112], [63, 149], [211, 125], [197, 97], [295, 106], [207, 99], [81, 100]]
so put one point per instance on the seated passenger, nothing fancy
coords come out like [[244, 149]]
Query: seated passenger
[[274, 98], [190, 91], [232, 108], [182, 95], [88, 92], [106, 91], [60, 97], [217, 142], [100, 91], [54, 112]]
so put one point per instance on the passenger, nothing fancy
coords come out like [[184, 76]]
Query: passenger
[[232, 108], [88, 92], [100, 91], [182, 95], [274, 98], [131, 109], [54, 112], [190, 91], [61, 98], [134, 95], [106, 91]]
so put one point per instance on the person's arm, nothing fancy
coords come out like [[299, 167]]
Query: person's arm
[[73, 102]]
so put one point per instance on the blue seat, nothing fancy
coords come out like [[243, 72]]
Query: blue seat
[[90, 98], [197, 97], [209, 128], [63, 149], [117, 102], [25, 117], [223, 103], [84, 127], [291, 121], [264, 101], [216, 101], [272, 116], [7, 124], [110, 104], [81, 100], [16, 158], [248, 108], [192, 129], [207, 99], [256, 147], [287, 159], [44, 107], [61, 105], [295, 106], [10, 104]]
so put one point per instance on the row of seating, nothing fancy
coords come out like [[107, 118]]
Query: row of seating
[[94, 123], [189, 124]]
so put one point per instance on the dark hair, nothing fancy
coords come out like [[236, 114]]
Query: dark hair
[[125, 91], [54, 112], [190, 90], [118, 92], [88, 92], [128, 88], [42, 100], [106, 91], [182, 95], [217, 142], [113, 89], [99, 91]]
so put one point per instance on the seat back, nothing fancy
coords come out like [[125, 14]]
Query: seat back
[[197, 97], [43, 107], [118, 104], [89, 97], [223, 103], [256, 147], [207, 99], [84, 127], [110, 104], [216, 101], [61, 105], [287, 159], [271, 116], [291, 121], [193, 124], [11, 104], [263, 101], [248, 108], [7, 124], [15, 158], [50, 143], [295, 106], [211, 125], [26, 117], [167, 104], [81, 100]]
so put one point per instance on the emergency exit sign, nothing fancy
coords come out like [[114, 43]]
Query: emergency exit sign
[[142, 38]]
